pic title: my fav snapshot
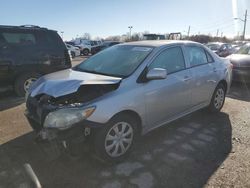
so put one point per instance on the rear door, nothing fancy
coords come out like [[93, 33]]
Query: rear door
[[171, 96], [20, 49], [204, 75]]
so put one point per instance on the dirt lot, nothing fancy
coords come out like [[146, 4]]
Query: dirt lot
[[200, 150]]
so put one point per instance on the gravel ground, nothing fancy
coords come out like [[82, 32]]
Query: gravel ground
[[199, 150]]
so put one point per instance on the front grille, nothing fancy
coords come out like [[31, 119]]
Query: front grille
[[39, 108]]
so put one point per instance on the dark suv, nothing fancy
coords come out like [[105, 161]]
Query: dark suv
[[28, 52]]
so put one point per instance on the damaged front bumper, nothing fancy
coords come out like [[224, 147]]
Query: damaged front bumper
[[38, 114], [81, 129]]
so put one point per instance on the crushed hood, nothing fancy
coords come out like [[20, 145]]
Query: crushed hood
[[68, 81]]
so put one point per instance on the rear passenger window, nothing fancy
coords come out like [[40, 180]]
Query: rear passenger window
[[196, 56], [209, 58], [19, 38], [50, 40], [171, 59]]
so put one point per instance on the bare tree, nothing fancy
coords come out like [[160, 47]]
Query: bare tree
[[86, 36], [135, 37], [114, 38]]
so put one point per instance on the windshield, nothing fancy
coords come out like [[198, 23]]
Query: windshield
[[213, 46], [244, 49], [118, 61]]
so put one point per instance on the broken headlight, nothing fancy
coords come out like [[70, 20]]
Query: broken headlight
[[66, 117]]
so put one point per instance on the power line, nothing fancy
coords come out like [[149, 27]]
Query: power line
[[213, 24], [214, 29]]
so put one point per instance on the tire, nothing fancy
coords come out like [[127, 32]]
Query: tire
[[85, 52], [218, 98], [110, 150], [23, 82], [73, 55]]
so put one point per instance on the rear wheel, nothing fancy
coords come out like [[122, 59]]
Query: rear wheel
[[85, 52], [218, 98], [23, 83], [115, 140]]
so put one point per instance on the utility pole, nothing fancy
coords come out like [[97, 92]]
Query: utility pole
[[217, 34], [221, 34], [130, 27], [245, 24], [188, 31]]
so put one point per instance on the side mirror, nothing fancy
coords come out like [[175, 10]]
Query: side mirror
[[156, 74]]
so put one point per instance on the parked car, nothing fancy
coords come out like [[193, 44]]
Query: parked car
[[95, 47], [154, 37], [84, 45], [74, 51], [108, 44], [221, 49], [235, 48], [28, 52], [241, 64], [70, 42], [126, 91]]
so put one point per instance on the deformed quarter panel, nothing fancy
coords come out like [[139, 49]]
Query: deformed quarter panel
[[127, 97]]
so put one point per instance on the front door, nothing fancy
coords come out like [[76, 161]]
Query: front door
[[171, 96]]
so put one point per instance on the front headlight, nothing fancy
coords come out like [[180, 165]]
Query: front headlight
[[65, 118]]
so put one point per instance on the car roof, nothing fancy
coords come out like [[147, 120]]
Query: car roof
[[109, 41], [219, 43], [24, 27], [158, 43]]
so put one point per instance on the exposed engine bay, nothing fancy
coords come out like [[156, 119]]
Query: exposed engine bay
[[85, 93]]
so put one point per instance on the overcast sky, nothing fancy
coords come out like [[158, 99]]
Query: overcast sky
[[112, 17]]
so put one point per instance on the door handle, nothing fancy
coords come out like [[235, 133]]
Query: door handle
[[186, 78], [214, 69]]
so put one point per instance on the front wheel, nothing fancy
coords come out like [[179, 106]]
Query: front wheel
[[114, 141], [218, 98]]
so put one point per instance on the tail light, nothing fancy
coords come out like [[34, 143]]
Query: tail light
[[67, 58]]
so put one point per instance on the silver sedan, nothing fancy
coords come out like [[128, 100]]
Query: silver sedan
[[127, 90]]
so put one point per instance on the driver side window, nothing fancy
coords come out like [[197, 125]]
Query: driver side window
[[171, 59]]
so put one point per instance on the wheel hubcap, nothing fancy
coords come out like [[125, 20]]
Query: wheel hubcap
[[119, 139], [28, 83], [219, 98]]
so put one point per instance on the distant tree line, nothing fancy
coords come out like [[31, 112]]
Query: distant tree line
[[206, 38], [139, 36]]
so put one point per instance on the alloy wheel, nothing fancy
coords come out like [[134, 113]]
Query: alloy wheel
[[219, 98], [119, 139], [28, 83]]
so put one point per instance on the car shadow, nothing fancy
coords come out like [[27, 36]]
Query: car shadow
[[8, 99], [240, 91], [184, 153]]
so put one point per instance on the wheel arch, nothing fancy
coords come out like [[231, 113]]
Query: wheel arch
[[21, 73], [133, 114], [86, 49], [224, 83]]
